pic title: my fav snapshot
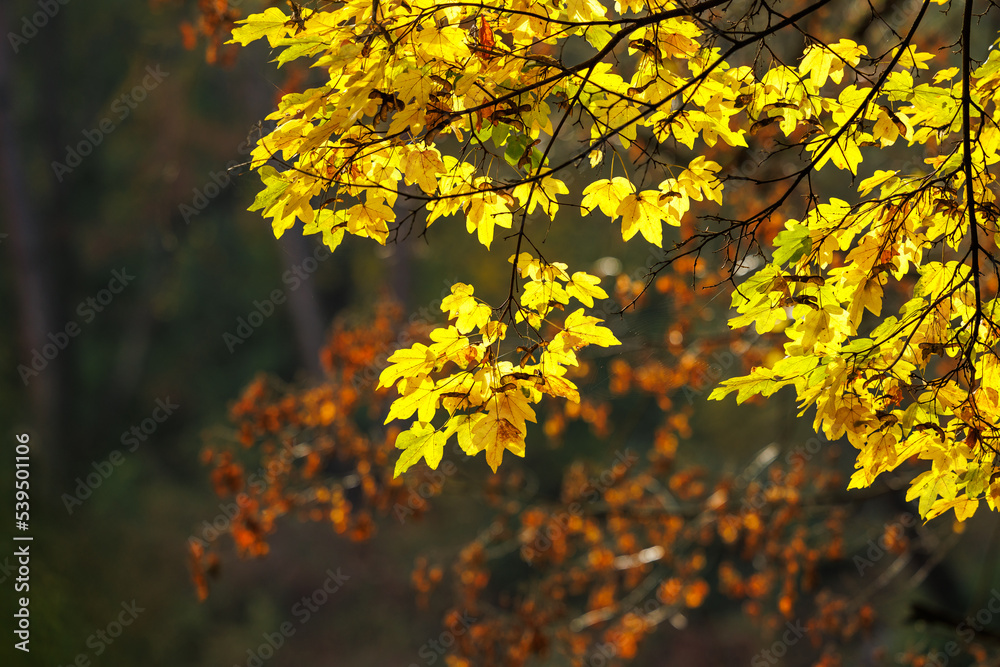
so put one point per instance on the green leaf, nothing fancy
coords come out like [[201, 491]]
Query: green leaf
[[274, 187], [500, 133], [792, 244], [516, 146]]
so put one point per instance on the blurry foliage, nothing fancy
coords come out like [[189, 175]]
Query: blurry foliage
[[632, 539]]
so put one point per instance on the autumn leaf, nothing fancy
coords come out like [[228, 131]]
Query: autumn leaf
[[421, 441], [486, 39], [585, 288], [272, 23], [606, 194], [467, 311], [641, 213], [760, 381], [494, 434], [423, 167], [410, 362], [580, 329]]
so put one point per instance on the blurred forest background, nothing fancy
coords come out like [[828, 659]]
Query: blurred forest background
[[153, 199]]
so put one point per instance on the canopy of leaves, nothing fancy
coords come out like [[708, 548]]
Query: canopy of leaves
[[478, 111]]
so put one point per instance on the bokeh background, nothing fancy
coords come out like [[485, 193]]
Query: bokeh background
[[161, 195]]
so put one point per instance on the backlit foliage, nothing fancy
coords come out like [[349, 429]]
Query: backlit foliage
[[822, 169], [485, 111]]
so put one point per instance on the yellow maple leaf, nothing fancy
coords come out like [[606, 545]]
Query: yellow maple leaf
[[494, 434], [370, 219], [579, 330], [964, 507], [417, 395], [542, 193], [412, 361], [816, 64], [641, 213], [759, 381], [585, 288], [421, 441], [272, 23], [467, 311], [447, 43], [332, 224], [513, 406], [423, 167], [607, 194], [483, 212], [878, 456], [556, 385]]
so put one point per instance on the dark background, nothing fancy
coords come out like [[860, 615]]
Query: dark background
[[154, 199]]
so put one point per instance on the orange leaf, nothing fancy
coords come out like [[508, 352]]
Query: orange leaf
[[486, 34]]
